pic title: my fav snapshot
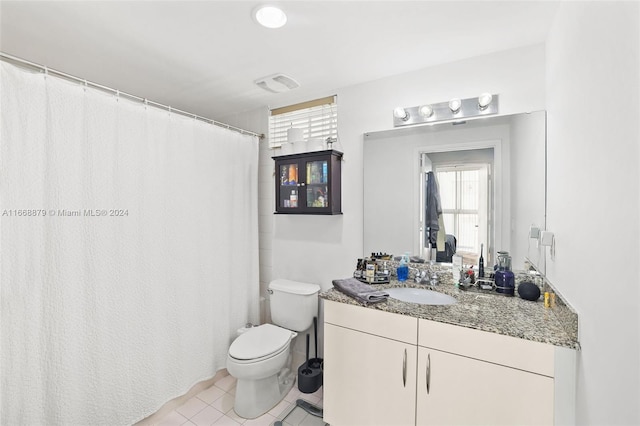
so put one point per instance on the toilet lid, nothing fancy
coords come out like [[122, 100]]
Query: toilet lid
[[259, 342]]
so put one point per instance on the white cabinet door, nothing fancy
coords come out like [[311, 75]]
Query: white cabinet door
[[457, 390], [368, 380]]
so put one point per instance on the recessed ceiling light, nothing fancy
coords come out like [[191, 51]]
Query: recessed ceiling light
[[270, 16]]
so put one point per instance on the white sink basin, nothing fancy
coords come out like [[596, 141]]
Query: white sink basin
[[421, 296]]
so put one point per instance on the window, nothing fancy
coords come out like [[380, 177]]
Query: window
[[318, 119], [464, 198]]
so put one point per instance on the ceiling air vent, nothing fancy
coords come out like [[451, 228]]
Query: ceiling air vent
[[277, 83]]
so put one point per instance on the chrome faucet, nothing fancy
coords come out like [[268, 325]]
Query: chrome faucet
[[415, 271], [421, 276], [434, 279]]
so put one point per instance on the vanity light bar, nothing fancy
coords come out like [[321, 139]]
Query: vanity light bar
[[485, 104]]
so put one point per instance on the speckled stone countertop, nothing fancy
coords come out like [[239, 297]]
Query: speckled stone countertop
[[477, 309]]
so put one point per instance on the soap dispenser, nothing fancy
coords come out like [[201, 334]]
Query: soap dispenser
[[403, 268]]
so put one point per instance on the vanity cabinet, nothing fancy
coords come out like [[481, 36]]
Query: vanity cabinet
[[461, 375], [496, 379], [457, 390], [369, 367], [309, 183]]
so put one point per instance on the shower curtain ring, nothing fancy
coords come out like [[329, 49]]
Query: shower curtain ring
[[46, 71]]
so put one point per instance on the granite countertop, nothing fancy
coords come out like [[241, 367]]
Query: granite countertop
[[477, 309]]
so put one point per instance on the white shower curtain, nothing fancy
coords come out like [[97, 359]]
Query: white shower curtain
[[128, 251]]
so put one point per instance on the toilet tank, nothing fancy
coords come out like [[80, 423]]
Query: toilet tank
[[293, 304]]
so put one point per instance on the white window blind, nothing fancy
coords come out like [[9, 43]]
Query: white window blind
[[317, 119]]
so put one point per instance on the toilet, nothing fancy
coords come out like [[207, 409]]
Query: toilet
[[260, 358]]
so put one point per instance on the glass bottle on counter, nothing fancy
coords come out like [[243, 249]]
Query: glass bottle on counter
[[403, 268], [504, 278]]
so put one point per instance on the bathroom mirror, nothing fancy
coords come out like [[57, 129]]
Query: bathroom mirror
[[501, 160]]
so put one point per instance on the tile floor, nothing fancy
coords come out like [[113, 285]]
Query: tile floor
[[214, 406]]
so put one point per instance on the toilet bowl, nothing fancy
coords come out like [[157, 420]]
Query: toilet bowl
[[260, 358], [260, 361]]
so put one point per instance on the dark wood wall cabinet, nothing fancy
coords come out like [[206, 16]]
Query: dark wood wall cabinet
[[309, 183]]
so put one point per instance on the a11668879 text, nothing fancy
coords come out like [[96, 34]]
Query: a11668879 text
[[64, 213]]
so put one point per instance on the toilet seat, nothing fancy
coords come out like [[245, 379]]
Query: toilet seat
[[260, 343]]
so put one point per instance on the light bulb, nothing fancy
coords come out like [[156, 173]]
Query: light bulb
[[454, 105], [484, 100], [270, 16], [400, 113], [426, 111]]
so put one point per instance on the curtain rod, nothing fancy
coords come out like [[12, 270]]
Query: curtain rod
[[46, 70]]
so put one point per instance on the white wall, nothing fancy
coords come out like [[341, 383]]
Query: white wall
[[593, 184], [593, 53], [258, 121], [527, 187], [319, 249]]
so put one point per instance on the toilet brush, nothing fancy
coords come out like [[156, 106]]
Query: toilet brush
[[315, 362], [307, 371], [309, 379]]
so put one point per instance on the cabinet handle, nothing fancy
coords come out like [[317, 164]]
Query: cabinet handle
[[404, 369], [428, 373]]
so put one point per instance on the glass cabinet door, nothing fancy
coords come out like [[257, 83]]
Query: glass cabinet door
[[308, 183], [317, 188], [288, 185]]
